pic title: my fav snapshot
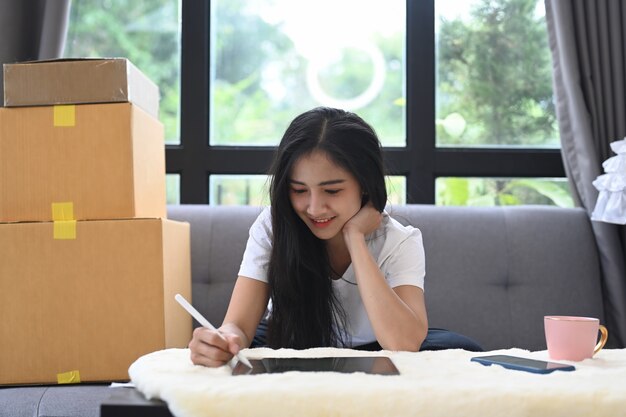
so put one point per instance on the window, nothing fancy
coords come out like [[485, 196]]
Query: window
[[458, 90], [494, 91], [442, 143], [494, 75], [269, 61]]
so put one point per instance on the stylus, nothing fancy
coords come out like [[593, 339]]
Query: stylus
[[204, 322]]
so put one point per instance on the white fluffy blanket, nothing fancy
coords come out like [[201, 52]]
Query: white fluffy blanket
[[443, 383]]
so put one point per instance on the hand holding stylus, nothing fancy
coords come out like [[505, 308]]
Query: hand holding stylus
[[205, 323]]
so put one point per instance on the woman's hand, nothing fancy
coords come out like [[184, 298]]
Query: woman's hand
[[364, 222], [209, 349]]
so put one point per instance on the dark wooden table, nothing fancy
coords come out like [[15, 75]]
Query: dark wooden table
[[129, 402]]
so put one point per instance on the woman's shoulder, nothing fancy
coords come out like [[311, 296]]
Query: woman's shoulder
[[265, 215], [394, 240], [263, 223], [391, 235], [393, 228]]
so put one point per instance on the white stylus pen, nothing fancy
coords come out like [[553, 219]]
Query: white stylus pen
[[204, 322]]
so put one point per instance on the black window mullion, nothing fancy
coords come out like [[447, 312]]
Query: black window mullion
[[420, 102], [501, 162], [240, 160], [191, 157]]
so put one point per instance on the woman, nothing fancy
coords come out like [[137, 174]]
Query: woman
[[325, 264]]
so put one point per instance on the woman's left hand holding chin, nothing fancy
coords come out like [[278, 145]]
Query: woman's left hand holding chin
[[364, 222]]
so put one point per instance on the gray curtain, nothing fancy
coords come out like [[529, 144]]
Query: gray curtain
[[588, 43], [32, 29]]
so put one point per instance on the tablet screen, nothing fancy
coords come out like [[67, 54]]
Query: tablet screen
[[380, 365]]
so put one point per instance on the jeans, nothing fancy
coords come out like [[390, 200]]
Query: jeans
[[436, 339]]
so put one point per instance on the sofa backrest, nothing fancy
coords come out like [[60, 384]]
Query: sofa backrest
[[218, 239], [492, 273]]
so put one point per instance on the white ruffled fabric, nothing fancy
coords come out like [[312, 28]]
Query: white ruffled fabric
[[611, 203]]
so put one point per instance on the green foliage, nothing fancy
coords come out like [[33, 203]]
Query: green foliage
[[453, 191], [396, 189], [557, 193], [172, 187], [494, 69], [456, 192], [240, 190], [259, 83], [495, 88], [146, 32]]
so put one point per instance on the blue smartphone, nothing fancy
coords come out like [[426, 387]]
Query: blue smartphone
[[523, 364]]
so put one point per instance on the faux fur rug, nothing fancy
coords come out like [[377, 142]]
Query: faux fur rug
[[443, 383]]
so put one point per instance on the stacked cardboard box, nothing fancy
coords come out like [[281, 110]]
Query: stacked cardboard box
[[89, 264]]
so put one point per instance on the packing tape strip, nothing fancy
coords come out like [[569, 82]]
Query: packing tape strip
[[71, 377], [63, 220], [63, 211], [65, 115], [65, 229]]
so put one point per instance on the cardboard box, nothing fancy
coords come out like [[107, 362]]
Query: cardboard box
[[105, 160], [88, 307], [79, 81]]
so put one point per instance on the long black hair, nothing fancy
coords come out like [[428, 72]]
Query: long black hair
[[305, 311]]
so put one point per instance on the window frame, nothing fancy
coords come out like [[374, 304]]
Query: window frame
[[421, 161]]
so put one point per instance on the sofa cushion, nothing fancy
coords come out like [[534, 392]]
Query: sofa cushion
[[74, 401], [54, 401], [20, 402]]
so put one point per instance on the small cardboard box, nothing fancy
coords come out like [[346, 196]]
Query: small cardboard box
[[105, 160], [79, 81], [86, 308]]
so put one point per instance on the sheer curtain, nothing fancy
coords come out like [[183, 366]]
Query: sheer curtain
[[588, 43], [32, 29]]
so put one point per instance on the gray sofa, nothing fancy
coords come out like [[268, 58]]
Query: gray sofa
[[491, 274]]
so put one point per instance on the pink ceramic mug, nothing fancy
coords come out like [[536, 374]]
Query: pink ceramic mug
[[573, 338]]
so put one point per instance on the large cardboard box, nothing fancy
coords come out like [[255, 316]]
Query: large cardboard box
[[88, 307], [78, 81], [107, 161]]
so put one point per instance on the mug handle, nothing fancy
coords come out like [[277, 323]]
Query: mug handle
[[603, 338]]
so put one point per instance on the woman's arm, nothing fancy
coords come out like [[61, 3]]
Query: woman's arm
[[398, 315], [247, 305], [246, 308]]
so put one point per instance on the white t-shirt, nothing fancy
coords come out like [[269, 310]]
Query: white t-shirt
[[397, 249]]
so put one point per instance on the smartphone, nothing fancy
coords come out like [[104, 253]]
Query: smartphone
[[523, 364]]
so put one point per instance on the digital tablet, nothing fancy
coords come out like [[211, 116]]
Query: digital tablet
[[379, 365]]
